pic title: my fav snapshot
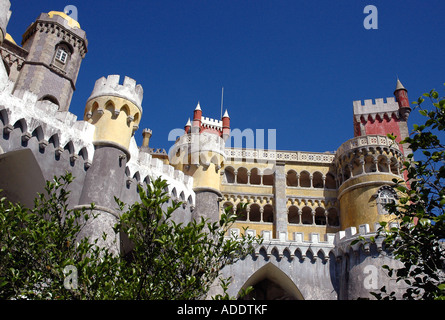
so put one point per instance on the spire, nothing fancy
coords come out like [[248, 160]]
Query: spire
[[399, 85], [226, 114], [188, 124], [198, 107]]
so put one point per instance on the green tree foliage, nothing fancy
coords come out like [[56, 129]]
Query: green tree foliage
[[38, 245], [418, 242], [43, 256], [170, 260]]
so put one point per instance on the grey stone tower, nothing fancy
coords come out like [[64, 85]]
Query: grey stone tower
[[115, 110], [56, 46]]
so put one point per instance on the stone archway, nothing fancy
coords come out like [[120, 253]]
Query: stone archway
[[270, 283], [20, 177]]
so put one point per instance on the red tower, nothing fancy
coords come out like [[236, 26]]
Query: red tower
[[381, 118], [401, 95], [202, 124], [197, 116], [226, 126]]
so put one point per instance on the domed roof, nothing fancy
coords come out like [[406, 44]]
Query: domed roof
[[71, 22], [9, 38]]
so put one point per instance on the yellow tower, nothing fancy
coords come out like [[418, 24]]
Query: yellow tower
[[115, 110], [366, 166], [200, 153]]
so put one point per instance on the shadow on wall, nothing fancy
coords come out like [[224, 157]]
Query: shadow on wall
[[21, 176]]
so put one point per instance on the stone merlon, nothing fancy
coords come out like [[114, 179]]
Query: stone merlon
[[110, 87]]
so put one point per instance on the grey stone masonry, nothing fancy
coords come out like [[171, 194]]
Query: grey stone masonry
[[280, 201]]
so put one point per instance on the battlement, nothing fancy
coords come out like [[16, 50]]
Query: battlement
[[110, 87], [142, 167], [338, 243], [343, 239], [378, 106], [313, 249], [42, 119], [211, 123]]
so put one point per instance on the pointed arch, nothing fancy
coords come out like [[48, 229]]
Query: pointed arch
[[83, 153], [70, 147], [38, 133], [4, 118], [54, 140], [21, 124], [267, 277]]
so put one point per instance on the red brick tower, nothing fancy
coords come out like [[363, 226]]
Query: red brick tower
[[381, 118]]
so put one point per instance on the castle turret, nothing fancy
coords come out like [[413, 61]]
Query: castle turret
[[401, 95], [197, 115], [115, 110], [382, 118], [200, 153], [187, 126], [56, 46], [146, 135], [226, 125], [366, 166]]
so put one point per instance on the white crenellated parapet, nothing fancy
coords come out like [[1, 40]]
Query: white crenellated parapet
[[144, 167], [338, 244], [379, 107], [46, 122], [110, 87], [298, 247], [343, 239], [211, 123]]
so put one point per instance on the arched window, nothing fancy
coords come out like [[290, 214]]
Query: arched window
[[255, 213], [292, 178], [268, 177], [293, 216], [330, 181], [317, 180], [241, 212], [386, 195], [255, 177], [227, 206], [320, 218], [305, 180], [333, 220], [268, 213], [306, 216], [241, 176], [62, 55], [229, 175]]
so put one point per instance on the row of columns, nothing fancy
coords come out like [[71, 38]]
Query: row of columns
[[342, 171]]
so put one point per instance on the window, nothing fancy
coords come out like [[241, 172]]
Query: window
[[385, 195], [61, 55]]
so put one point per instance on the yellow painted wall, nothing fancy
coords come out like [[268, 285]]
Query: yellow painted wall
[[358, 203], [110, 126]]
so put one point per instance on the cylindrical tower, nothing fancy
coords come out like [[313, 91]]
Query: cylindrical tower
[[115, 110], [56, 46], [366, 166], [200, 153]]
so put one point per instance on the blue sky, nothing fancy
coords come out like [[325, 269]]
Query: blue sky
[[294, 66]]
